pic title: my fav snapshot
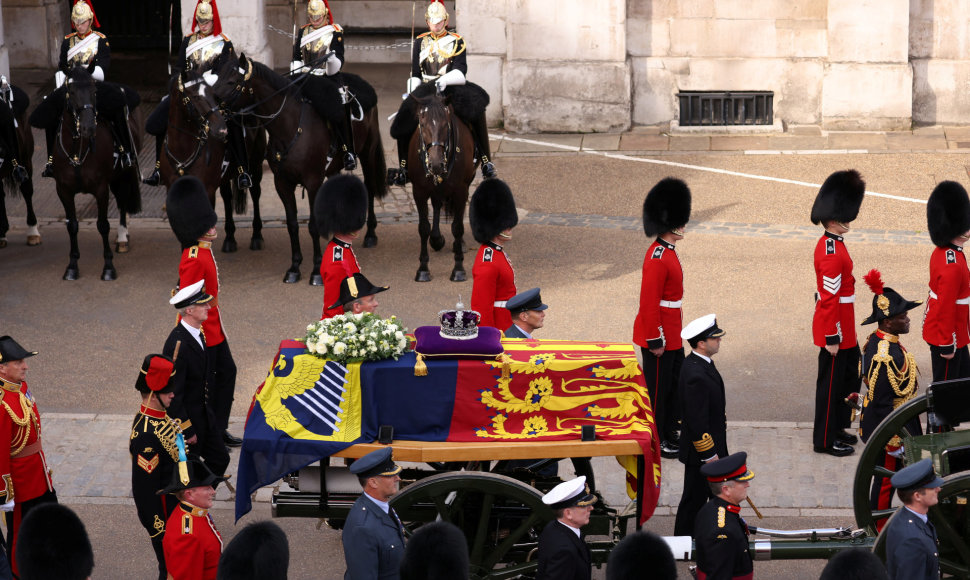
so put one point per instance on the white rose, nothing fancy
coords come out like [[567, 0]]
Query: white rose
[[339, 348], [311, 345], [321, 348], [349, 328], [399, 335]]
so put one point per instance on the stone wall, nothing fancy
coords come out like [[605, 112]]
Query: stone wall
[[33, 30], [939, 47], [243, 22]]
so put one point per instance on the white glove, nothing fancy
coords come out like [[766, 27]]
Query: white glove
[[897, 453], [333, 65], [98, 74], [59, 78], [296, 66], [413, 83], [210, 78], [7, 507], [452, 77]]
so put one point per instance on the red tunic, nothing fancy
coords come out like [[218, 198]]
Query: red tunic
[[834, 321], [23, 467], [339, 262], [199, 264], [493, 283], [946, 322], [659, 320], [192, 544]]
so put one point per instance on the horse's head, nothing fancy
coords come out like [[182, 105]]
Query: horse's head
[[81, 101], [435, 134], [233, 74], [199, 99]]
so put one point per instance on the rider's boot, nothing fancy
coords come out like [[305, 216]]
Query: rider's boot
[[49, 167], [155, 177], [125, 148], [237, 152], [399, 175], [347, 138], [480, 132]]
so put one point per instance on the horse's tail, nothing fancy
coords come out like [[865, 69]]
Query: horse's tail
[[127, 192], [375, 167]]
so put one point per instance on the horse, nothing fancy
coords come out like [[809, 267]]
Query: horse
[[299, 146], [25, 152], [195, 144], [84, 162], [441, 166]]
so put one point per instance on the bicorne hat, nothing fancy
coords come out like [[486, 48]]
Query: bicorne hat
[[887, 302], [666, 207], [947, 213], [839, 198], [353, 287], [191, 473], [492, 210], [341, 205], [10, 350], [189, 213]]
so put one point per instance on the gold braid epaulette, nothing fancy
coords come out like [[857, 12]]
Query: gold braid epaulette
[[903, 380], [19, 439]]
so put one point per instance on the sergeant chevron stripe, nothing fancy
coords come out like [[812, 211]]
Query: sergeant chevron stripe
[[832, 285]]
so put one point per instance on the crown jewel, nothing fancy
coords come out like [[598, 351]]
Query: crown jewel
[[459, 324]]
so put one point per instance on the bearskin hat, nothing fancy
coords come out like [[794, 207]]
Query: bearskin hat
[[492, 210], [666, 207], [839, 198], [436, 551], [259, 552], [52, 543], [641, 556], [947, 213], [855, 564], [189, 212], [341, 205]]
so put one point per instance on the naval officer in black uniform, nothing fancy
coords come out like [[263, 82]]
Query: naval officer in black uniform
[[720, 534], [563, 553], [912, 548]]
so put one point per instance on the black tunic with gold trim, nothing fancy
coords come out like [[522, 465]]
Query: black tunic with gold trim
[[153, 457], [721, 538], [93, 51], [889, 371], [202, 52]]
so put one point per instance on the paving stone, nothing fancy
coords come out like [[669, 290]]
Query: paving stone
[[643, 142], [738, 142], [957, 133], [601, 141], [905, 141], [852, 141], [689, 143]]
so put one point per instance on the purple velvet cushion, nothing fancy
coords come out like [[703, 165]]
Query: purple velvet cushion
[[430, 343]]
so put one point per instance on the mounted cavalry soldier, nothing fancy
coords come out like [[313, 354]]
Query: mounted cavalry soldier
[[16, 101], [438, 62], [89, 49], [319, 53], [202, 52]]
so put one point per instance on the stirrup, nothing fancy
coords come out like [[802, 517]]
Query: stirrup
[[20, 174], [244, 181], [154, 179], [488, 170], [48, 168], [125, 158], [397, 176], [350, 162]]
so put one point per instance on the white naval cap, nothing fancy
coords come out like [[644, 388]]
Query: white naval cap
[[570, 493], [191, 294], [702, 328]]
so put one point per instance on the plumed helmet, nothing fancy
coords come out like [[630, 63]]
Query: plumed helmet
[[436, 12], [318, 8], [436, 551], [189, 213], [259, 552], [639, 552], [52, 543], [839, 198], [947, 213], [666, 207], [206, 10], [82, 11], [492, 210], [341, 205]]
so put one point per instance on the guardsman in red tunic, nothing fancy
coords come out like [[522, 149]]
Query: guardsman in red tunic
[[891, 377], [657, 327], [339, 210], [26, 479], [946, 322], [194, 223], [492, 216], [833, 328], [153, 450], [192, 542]]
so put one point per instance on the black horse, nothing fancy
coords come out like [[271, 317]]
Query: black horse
[[84, 163], [441, 167], [299, 149], [16, 146]]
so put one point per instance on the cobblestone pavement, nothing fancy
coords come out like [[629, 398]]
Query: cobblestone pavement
[[88, 454]]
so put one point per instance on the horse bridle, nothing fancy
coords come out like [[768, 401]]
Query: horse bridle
[[77, 160], [448, 148], [201, 121]]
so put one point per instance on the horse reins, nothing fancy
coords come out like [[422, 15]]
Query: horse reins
[[201, 136]]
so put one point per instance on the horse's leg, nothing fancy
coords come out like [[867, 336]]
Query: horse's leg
[[104, 228], [229, 244], [286, 191], [70, 213], [437, 240], [458, 232], [316, 279], [424, 230], [256, 241], [4, 224], [370, 237], [121, 245], [27, 192]]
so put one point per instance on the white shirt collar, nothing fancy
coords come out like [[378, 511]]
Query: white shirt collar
[[707, 358], [195, 332], [572, 529]]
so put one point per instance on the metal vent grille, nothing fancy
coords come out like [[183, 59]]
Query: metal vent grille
[[700, 108]]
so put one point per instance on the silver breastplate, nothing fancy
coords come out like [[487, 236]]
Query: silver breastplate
[[201, 54], [316, 42], [84, 56]]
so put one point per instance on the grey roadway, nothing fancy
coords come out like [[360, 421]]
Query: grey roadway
[[746, 257]]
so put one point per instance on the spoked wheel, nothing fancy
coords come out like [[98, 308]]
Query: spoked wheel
[[951, 518], [501, 518]]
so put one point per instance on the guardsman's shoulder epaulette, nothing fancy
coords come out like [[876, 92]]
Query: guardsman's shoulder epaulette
[[455, 34], [99, 34], [337, 27], [66, 36], [224, 37], [423, 35], [194, 252], [187, 524]]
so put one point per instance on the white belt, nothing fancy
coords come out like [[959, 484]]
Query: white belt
[[500, 303], [669, 304], [959, 300], [847, 299]]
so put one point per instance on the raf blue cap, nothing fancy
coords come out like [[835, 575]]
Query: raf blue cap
[[917, 476], [528, 300], [376, 463]]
